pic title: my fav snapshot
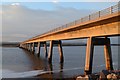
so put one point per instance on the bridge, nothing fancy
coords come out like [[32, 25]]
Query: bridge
[[96, 28]]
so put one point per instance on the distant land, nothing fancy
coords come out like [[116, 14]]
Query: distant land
[[16, 44], [9, 44]]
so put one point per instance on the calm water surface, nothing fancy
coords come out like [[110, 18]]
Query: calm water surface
[[17, 62]]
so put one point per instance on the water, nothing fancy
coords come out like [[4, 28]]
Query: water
[[17, 63]]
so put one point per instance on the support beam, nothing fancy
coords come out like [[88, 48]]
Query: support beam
[[45, 49], [89, 56], [38, 49], [50, 52], [108, 55], [60, 51]]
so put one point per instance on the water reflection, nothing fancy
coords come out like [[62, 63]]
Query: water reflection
[[42, 64], [37, 63]]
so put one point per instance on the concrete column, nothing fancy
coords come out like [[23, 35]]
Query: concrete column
[[50, 52], [33, 47], [29, 47], [25, 46], [59, 43], [50, 68], [108, 55], [60, 51], [89, 56], [45, 49], [38, 49]]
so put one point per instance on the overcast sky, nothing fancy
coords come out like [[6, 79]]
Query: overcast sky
[[21, 21]]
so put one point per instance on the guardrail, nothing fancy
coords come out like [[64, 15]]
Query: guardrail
[[93, 16], [107, 11]]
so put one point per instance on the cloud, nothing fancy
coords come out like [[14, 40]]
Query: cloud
[[20, 20], [19, 35], [55, 1], [15, 4]]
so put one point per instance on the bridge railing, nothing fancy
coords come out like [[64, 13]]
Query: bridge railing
[[93, 16]]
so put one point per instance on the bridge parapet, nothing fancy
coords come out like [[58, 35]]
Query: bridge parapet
[[107, 11], [94, 16]]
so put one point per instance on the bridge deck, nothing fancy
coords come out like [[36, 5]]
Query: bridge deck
[[102, 23]]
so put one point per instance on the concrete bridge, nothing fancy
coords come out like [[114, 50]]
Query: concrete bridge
[[96, 28]]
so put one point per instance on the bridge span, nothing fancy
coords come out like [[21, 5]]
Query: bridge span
[[96, 27]]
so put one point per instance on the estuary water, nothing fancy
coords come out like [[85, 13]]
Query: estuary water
[[19, 63]]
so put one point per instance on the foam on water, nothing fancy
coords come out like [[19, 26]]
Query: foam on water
[[12, 74]]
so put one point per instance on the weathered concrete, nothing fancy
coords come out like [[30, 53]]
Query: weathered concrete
[[38, 49], [89, 53], [60, 51], [45, 49], [33, 48], [89, 56], [50, 52], [108, 55], [59, 43], [105, 26]]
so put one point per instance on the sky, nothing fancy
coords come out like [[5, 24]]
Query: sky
[[23, 20]]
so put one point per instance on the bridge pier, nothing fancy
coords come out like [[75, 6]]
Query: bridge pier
[[89, 56], [33, 48], [38, 49], [60, 51], [89, 53], [51, 51], [29, 49], [27, 46], [108, 55], [45, 49]]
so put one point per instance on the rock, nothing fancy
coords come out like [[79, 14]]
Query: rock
[[83, 77], [112, 76], [103, 74]]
